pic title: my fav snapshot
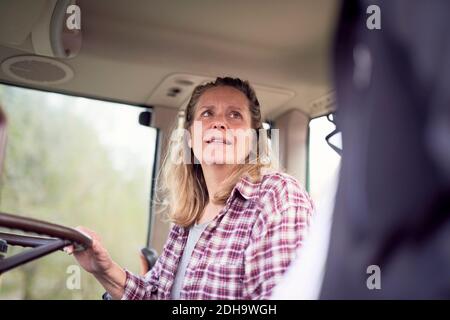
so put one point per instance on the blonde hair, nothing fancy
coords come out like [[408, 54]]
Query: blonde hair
[[181, 184]]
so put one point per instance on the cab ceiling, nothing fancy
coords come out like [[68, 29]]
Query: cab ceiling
[[131, 47]]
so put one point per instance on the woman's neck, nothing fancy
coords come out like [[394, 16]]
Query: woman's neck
[[214, 176]]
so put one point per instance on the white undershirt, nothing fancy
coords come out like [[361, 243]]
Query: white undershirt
[[194, 234]]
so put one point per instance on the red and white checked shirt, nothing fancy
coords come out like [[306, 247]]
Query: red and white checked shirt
[[242, 253]]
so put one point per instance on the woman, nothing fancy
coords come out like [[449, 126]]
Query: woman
[[236, 223]]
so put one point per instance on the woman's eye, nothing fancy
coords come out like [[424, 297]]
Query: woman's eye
[[206, 113], [235, 115]]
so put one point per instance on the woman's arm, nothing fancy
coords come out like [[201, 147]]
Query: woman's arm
[[118, 282], [113, 281], [96, 260]]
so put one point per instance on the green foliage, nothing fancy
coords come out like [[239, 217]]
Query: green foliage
[[57, 169]]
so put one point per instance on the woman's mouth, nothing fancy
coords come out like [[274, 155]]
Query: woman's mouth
[[216, 140]]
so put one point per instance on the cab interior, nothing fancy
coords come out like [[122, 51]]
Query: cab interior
[[141, 60]]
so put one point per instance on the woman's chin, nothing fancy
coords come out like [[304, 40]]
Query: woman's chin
[[218, 161], [214, 161]]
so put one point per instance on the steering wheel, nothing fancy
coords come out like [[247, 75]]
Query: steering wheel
[[57, 237]]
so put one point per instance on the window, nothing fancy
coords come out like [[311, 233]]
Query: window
[[323, 160], [75, 161]]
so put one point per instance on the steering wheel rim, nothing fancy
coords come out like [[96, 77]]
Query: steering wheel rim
[[60, 237]]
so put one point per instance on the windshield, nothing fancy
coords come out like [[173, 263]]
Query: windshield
[[75, 161]]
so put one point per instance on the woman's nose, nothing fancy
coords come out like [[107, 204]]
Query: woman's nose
[[219, 125]]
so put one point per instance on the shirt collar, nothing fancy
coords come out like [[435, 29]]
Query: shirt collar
[[246, 188]]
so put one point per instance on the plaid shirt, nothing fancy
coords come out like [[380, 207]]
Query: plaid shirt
[[242, 253]]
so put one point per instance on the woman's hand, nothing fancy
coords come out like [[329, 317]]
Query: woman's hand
[[97, 261]]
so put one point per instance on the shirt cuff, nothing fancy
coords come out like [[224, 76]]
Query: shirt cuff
[[134, 287]]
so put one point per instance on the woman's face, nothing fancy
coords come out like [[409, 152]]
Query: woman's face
[[221, 131]]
